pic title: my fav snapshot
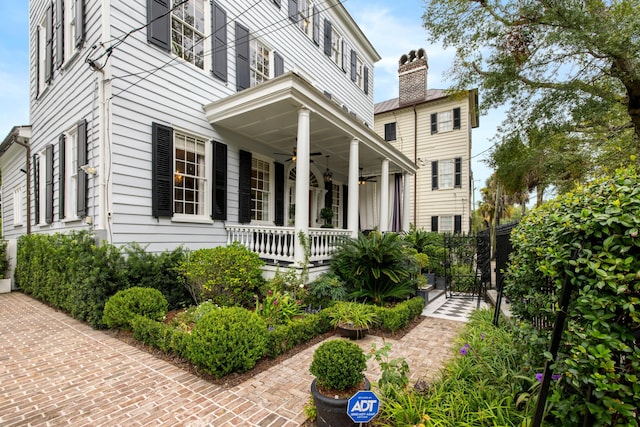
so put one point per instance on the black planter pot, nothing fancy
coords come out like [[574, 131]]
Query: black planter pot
[[332, 412], [352, 333]]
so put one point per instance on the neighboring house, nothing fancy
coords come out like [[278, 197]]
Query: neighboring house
[[197, 123], [433, 128]]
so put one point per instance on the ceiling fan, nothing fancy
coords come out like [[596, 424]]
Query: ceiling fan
[[294, 155], [364, 179]]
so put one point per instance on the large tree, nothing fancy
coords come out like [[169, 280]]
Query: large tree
[[569, 70]]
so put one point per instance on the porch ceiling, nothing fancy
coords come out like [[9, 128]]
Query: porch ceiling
[[267, 117]]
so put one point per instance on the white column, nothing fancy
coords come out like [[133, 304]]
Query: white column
[[406, 202], [384, 196], [302, 185], [354, 191]]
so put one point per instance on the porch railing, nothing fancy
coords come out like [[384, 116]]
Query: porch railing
[[277, 243]]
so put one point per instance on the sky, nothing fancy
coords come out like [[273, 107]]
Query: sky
[[394, 27]]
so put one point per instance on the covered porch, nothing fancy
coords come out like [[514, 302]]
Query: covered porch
[[329, 158]]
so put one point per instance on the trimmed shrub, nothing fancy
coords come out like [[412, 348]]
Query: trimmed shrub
[[228, 340], [338, 364], [282, 338], [125, 305], [4, 260], [159, 335], [589, 237], [226, 275]]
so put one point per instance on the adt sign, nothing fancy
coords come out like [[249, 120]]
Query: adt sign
[[363, 406]]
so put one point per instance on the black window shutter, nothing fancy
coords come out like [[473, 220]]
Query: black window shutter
[[38, 55], [62, 171], [279, 193], [458, 175], [293, 10], [48, 69], [456, 118], [327, 37], [390, 131], [244, 188], [278, 64], [345, 205], [434, 175], [353, 65], [219, 42], [345, 58], [219, 181], [36, 188], [434, 123], [158, 23], [243, 79], [457, 223], [59, 33], [316, 25], [80, 23], [82, 182], [162, 159], [366, 80], [434, 223], [49, 184]]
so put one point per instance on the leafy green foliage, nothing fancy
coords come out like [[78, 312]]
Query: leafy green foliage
[[352, 314], [338, 364], [375, 267], [429, 243], [158, 271], [231, 339], [589, 235], [227, 275], [394, 377], [70, 272], [326, 288], [125, 305], [159, 335], [282, 338], [277, 308], [4, 261]]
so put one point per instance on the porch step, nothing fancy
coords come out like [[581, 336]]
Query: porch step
[[505, 306]]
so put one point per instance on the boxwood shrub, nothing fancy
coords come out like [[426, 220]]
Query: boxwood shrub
[[125, 305], [159, 335], [231, 339], [590, 237], [284, 337]]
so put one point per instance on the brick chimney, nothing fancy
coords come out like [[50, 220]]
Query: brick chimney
[[412, 76]]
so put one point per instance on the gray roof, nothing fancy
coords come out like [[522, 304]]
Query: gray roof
[[394, 104]]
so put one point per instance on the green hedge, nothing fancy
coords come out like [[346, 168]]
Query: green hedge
[[398, 317], [159, 335], [125, 305], [282, 338], [591, 237]]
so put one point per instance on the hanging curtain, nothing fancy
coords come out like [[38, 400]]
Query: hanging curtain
[[396, 200]]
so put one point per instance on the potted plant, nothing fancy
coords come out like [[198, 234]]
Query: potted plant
[[327, 215], [5, 282], [338, 367], [352, 320]]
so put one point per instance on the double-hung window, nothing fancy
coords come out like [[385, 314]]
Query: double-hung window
[[43, 56], [446, 224], [188, 31], [17, 206], [359, 73], [260, 189], [70, 173], [260, 64], [336, 47], [446, 121], [305, 16], [70, 28], [190, 178], [336, 204], [446, 171]]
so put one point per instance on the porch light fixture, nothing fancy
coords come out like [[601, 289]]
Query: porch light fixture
[[328, 176]]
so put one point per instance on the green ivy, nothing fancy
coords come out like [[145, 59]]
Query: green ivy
[[590, 236]]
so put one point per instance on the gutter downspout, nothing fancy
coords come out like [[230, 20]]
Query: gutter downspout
[[415, 160], [28, 166]]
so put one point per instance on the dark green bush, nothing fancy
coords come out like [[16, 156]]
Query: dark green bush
[[70, 272], [226, 275], [396, 318], [338, 364], [4, 261], [231, 339], [159, 335], [429, 243], [415, 305], [326, 288], [590, 237], [375, 267], [125, 305], [285, 337], [158, 271]]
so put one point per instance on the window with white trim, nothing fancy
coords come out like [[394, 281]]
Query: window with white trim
[[69, 28], [71, 173], [336, 47], [188, 31], [305, 16], [446, 224], [336, 204], [445, 121], [260, 62], [190, 178], [446, 174], [17, 206], [42, 55], [41, 165], [359, 73], [260, 189]]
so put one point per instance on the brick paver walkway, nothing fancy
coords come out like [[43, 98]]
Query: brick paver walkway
[[55, 370]]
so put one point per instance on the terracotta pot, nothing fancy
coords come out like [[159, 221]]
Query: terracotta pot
[[332, 412]]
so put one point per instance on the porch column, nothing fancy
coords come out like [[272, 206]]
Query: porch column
[[354, 191], [302, 185], [384, 196], [406, 202]]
